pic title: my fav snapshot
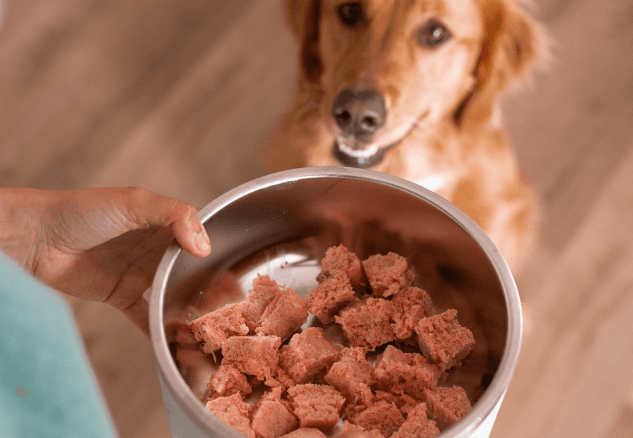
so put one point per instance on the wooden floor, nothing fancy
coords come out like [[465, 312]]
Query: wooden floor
[[177, 96]]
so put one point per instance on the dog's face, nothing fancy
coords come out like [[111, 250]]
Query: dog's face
[[391, 64], [386, 67]]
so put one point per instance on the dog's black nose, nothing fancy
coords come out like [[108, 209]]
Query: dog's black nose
[[359, 112]]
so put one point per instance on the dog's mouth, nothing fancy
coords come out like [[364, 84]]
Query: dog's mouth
[[350, 152], [347, 152]]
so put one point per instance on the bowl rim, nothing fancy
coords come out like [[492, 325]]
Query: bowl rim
[[487, 403]]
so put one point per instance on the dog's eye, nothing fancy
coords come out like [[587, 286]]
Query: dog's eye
[[433, 33], [350, 14]]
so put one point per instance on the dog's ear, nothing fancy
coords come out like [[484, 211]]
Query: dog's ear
[[303, 17], [510, 48]]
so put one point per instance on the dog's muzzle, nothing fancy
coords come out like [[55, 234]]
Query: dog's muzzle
[[360, 158], [358, 113]]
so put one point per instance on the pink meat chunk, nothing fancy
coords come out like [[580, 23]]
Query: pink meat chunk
[[387, 274], [350, 428], [271, 310], [329, 297], [253, 355], [305, 432], [283, 378], [446, 405], [317, 406], [273, 394], [367, 323], [405, 373], [284, 316], [259, 297], [417, 425], [410, 305], [404, 402], [443, 340], [380, 415], [233, 411], [215, 327], [228, 380], [308, 356], [339, 259], [272, 418], [352, 376]]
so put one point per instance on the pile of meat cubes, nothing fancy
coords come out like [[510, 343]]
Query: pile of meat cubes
[[313, 388]]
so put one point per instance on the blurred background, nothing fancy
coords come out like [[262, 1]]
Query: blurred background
[[178, 97]]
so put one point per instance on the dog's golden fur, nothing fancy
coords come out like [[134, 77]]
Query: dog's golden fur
[[443, 128]]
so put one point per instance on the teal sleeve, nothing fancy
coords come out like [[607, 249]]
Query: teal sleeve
[[47, 388]]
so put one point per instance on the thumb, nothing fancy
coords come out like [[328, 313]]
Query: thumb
[[191, 234], [83, 219], [143, 209]]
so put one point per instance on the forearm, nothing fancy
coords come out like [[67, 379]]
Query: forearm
[[22, 213]]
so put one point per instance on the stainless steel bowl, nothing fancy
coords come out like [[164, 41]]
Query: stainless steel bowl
[[282, 224]]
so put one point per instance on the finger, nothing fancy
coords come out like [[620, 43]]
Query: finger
[[144, 208], [192, 235]]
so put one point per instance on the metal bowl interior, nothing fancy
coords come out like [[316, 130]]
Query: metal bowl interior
[[282, 224]]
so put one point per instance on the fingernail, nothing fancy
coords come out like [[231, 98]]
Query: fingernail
[[201, 240]]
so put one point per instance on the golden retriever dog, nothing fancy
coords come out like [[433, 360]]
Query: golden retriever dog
[[412, 88]]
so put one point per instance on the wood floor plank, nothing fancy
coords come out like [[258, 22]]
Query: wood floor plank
[[207, 132], [112, 70], [590, 71], [575, 368]]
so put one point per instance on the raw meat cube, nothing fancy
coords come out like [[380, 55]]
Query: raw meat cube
[[330, 296], [284, 379], [305, 432], [274, 394], [273, 311], [446, 405], [417, 425], [443, 340], [380, 415], [228, 380], [349, 428], [339, 259], [317, 406], [308, 356], [234, 412], [410, 305], [387, 274], [405, 373], [284, 315], [273, 417], [352, 376], [259, 297], [253, 355], [215, 327], [367, 323], [404, 402]]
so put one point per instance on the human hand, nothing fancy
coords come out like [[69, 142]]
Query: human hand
[[98, 244]]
